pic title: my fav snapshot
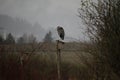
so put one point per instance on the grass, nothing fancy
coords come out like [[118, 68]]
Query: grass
[[39, 66], [42, 63]]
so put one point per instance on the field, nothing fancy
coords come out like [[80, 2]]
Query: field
[[39, 62]]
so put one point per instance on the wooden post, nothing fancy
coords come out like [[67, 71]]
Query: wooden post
[[23, 60], [59, 46]]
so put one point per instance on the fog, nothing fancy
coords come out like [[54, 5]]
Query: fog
[[39, 16]]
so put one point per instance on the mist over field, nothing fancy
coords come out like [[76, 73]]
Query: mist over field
[[59, 40], [39, 16]]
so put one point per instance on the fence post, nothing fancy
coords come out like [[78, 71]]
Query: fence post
[[59, 47]]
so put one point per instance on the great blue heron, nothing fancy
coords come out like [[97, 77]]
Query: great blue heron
[[61, 32]]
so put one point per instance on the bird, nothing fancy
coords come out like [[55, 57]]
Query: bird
[[61, 32]]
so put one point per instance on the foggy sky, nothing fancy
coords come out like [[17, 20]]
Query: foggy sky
[[48, 13]]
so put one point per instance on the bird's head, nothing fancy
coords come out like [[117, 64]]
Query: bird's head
[[59, 27]]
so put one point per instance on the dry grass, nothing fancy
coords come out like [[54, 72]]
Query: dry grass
[[41, 65]]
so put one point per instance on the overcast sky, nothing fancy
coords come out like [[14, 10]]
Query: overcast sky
[[48, 13]]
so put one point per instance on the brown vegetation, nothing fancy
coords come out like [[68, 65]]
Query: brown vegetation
[[18, 63]]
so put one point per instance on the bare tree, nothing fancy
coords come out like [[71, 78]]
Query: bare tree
[[102, 19]]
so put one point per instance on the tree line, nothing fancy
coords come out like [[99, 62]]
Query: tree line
[[24, 39]]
